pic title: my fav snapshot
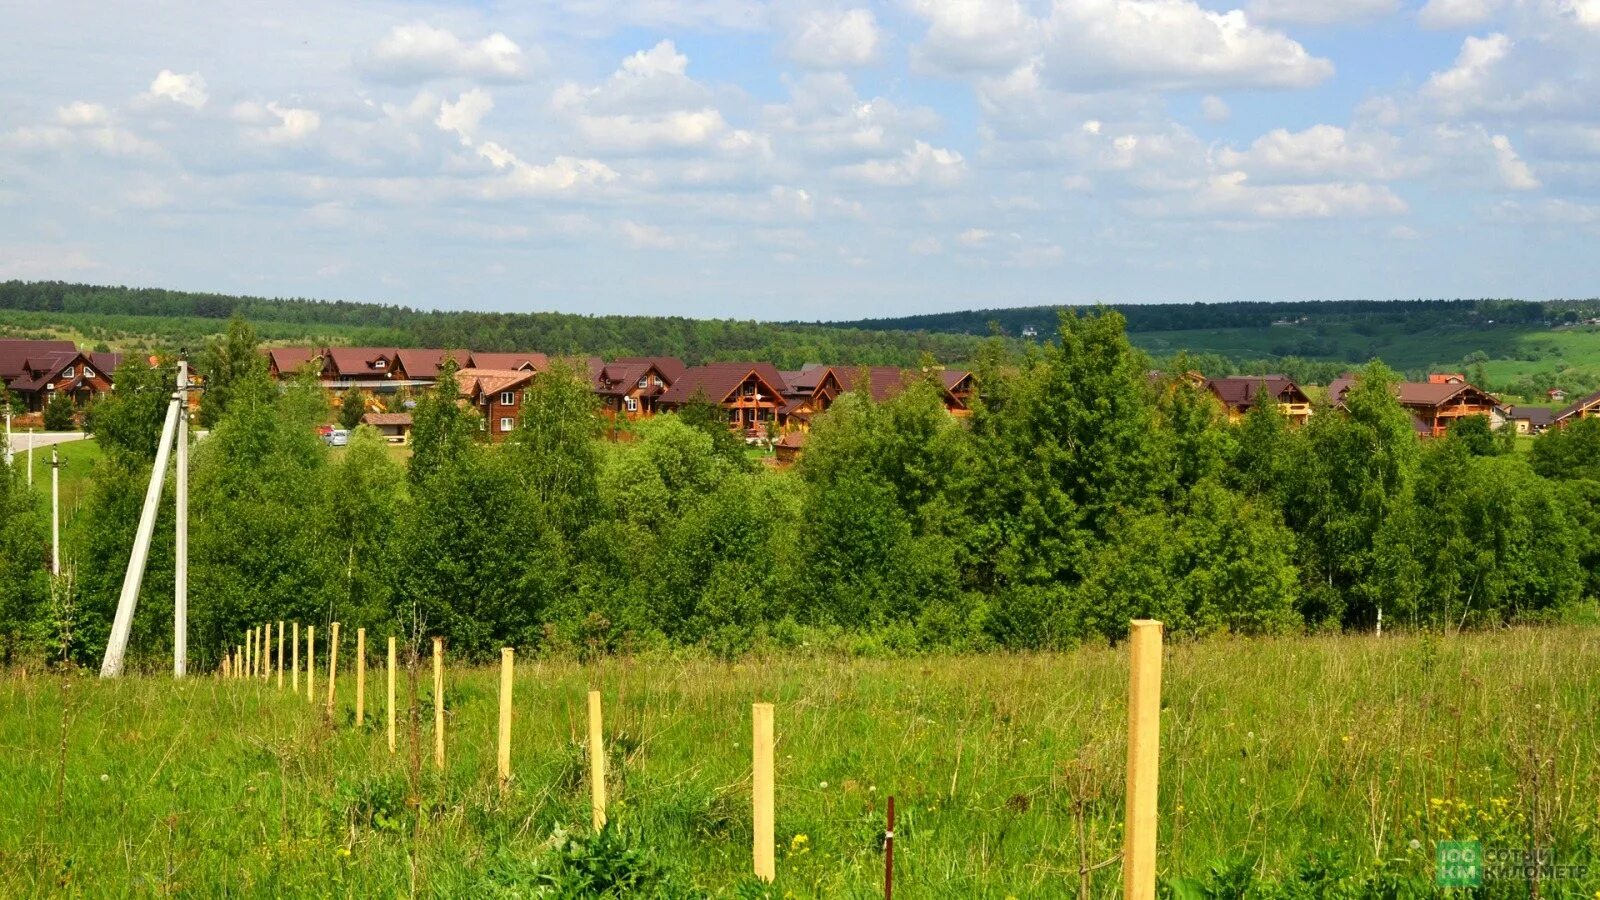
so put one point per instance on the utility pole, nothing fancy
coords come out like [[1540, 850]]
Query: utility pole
[[117, 644], [55, 512], [180, 598], [8, 434], [30, 457]]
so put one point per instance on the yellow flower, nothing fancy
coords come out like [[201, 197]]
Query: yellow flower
[[799, 844]]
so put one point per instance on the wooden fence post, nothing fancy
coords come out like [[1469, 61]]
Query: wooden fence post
[[762, 793], [1144, 757], [249, 652], [311, 663], [227, 665], [333, 666], [438, 703], [280, 654], [507, 668], [391, 693], [266, 655], [888, 854], [294, 671], [597, 764], [238, 650], [361, 677]]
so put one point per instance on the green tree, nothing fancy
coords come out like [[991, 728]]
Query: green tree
[[703, 415], [1569, 453], [59, 413], [352, 406], [442, 429], [366, 500], [226, 362], [23, 584], [129, 419]]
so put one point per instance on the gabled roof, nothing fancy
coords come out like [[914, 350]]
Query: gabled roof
[[883, 382], [805, 379], [1577, 407], [537, 362], [718, 380], [391, 419], [670, 367], [40, 371], [953, 378], [1537, 416], [426, 363], [1415, 393], [622, 376], [348, 361], [1240, 391], [15, 353], [290, 359], [475, 382]]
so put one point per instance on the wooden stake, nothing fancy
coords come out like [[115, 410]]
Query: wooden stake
[[294, 671], [361, 677], [391, 693], [227, 665], [333, 666], [1144, 756], [597, 764], [266, 653], [888, 855], [761, 752], [438, 703], [507, 667], [311, 663], [280, 655], [249, 652]]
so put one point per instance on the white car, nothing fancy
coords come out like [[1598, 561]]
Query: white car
[[338, 437]]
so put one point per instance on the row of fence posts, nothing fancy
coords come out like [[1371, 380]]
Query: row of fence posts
[[254, 659]]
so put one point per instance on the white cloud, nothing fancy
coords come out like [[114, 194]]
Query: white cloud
[[968, 35], [1214, 110], [562, 175], [662, 59], [1232, 194], [828, 39], [1455, 14], [651, 103], [78, 114], [647, 237], [827, 119], [1514, 173], [463, 116], [1172, 44], [923, 165], [293, 125], [106, 140], [1320, 12], [1320, 153], [185, 90], [419, 52], [926, 246], [793, 202], [975, 237]]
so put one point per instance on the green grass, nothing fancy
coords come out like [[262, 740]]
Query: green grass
[[1274, 753]]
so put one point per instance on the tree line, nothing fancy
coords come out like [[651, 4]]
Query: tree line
[[1082, 492]]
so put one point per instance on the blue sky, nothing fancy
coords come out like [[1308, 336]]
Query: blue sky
[[805, 160]]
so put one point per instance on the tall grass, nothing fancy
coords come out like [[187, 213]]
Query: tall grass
[[1344, 756]]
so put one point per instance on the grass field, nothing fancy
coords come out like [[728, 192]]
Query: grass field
[[1298, 762]]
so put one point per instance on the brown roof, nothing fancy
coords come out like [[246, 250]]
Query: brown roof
[[348, 361], [1537, 416], [1577, 406], [621, 376], [475, 382], [670, 367], [883, 382], [538, 362], [953, 377], [1413, 393], [387, 418], [795, 439], [426, 363], [289, 359], [718, 380], [15, 353], [806, 379], [1239, 391]]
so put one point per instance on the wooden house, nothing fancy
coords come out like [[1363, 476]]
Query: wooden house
[[498, 395], [1239, 393], [517, 362], [364, 368], [1585, 408], [421, 367], [284, 362], [750, 393], [886, 382], [630, 387], [1433, 407], [1528, 419], [395, 427], [36, 371]]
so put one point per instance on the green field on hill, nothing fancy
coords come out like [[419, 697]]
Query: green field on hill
[[1305, 767]]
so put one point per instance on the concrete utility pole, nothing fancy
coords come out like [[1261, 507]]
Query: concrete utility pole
[[30, 457], [55, 512], [180, 598], [8, 435], [117, 645]]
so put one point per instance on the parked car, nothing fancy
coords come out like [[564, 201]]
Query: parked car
[[338, 437]]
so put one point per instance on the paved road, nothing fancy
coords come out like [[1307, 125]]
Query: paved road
[[19, 439]]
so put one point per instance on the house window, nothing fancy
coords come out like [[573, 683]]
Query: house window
[[632, 403], [67, 372], [505, 423], [644, 382], [88, 372], [508, 398], [378, 364]]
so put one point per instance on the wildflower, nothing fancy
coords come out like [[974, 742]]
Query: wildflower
[[799, 844], [1347, 739], [342, 851], [1250, 735], [823, 786], [1415, 844], [104, 777], [872, 789]]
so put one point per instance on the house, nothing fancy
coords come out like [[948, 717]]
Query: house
[[629, 387], [1529, 419], [1240, 393], [395, 427], [498, 395], [1446, 378], [788, 447], [750, 393], [284, 362], [367, 368], [963, 387], [531, 362], [35, 371], [421, 367], [1433, 407], [800, 386], [886, 382], [1586, 408], [1556, 395]]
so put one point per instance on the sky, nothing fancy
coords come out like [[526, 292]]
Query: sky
[[804, 160]]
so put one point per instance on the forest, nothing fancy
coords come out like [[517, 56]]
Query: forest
[[1081, 493]]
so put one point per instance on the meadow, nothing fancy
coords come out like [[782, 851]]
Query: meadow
[[1311, 766]]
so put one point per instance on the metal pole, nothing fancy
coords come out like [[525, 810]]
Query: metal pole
[[8, 435], [117, 645], [180, 599], [55, 513]]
